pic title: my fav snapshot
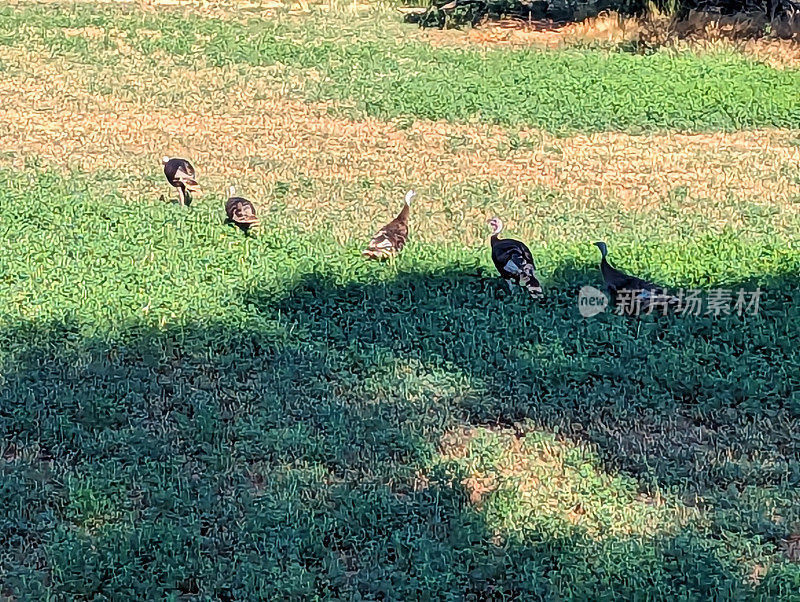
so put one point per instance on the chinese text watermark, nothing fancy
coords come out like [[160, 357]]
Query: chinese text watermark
[[717, 302]]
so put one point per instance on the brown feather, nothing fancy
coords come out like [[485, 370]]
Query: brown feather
[[180, 173], [391, 238], [241, 212]]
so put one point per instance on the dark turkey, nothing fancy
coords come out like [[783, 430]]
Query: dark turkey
[[180, 174], [513, 260], [240, 211], [641, 292], [391, 239]]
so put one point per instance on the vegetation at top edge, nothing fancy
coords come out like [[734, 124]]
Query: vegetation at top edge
[[401, 75], [192, 414]]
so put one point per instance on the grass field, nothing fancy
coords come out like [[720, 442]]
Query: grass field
[[187, 413]]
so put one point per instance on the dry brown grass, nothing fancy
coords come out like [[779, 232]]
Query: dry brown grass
[[744, 33], [255, 136], [609, 27], [229, 8], [699, 31]]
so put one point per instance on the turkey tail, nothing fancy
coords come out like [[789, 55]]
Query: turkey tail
[[529, 280], [188, 181], [191, 185], [526, 273]]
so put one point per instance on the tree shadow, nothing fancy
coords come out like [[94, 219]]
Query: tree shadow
[[700, 405], [296, 456]]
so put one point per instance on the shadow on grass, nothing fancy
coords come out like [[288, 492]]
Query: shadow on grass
[[295, 456]]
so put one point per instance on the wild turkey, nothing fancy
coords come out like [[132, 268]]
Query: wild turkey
[[646, 293], [181, 175], [513, 260], [240, 211], [391, 239]]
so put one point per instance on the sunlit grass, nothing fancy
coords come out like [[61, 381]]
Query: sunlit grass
[[567, 91]]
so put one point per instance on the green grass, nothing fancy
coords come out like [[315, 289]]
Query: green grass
[[398, 75], [187, 413]]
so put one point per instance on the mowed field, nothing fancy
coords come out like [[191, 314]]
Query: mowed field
[[187, 413]]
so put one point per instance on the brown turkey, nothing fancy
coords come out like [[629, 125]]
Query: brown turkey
[[391, 239], [240, 211], [180, 174]]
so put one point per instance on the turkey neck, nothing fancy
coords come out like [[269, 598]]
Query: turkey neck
[[403, 213]]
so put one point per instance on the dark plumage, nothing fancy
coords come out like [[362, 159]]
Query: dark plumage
[[617, 280], [514, 261], [391, 239], [180, 174], [240, 211]]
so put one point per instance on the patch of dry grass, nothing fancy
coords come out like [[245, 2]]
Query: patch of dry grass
[[229, 8], [608, 27], [698, 32]]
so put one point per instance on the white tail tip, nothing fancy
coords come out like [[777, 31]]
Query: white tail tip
[[164, 159], [231, 191], [410, 196]]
